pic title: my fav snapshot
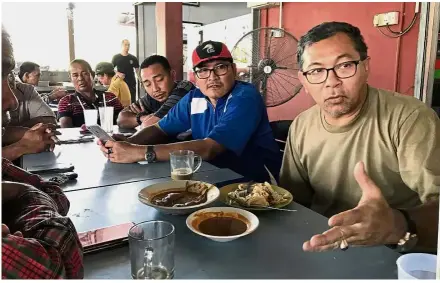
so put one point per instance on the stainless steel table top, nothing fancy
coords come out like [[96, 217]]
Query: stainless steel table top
[[94, 170], [273, 251]]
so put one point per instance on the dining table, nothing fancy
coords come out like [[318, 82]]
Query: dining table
[[272, 251], [92, 167], [106, 194]]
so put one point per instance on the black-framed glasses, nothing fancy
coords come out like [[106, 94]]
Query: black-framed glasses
[[219, 70], [343, 70]]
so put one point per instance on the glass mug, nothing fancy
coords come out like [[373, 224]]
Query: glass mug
[[152, 250], [184, 163]]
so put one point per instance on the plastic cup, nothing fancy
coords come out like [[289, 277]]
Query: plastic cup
[[90, 117], [416, 266], [106, 117]]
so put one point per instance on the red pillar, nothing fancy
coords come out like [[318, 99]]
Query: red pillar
[[169, 34]]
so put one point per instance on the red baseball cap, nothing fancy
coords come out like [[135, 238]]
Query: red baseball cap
[[210, 50]]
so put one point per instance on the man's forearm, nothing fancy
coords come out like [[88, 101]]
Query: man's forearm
[[66, 122], [425, 217], [13, 134], [44, 119], [206, 148], [13, 151], [127, 119], [149, 135]]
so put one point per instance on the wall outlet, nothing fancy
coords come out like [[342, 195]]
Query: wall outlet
[[390, 18]]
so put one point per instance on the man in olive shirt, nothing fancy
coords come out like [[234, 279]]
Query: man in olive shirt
[[367, 158]]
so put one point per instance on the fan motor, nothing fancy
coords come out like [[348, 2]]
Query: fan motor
[[267, 66]]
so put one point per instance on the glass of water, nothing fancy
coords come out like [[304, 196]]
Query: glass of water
[[106, 118], [152, 250]]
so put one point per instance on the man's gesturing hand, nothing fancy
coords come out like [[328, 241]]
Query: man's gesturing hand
[[371, 222]]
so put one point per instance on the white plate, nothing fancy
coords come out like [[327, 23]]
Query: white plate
[[252, 224], [146, 195]]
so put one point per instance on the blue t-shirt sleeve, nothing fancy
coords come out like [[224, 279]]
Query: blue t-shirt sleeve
[[239, 122], [178, 119]]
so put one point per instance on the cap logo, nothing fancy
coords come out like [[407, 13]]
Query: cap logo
[[209, 48]]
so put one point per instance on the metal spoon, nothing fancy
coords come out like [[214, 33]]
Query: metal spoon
[[274, 208]]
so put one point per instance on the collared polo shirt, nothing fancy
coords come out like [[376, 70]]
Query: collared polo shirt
[[239, 122], [69, 106]]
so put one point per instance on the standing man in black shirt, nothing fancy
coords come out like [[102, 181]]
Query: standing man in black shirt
[[125, 63]]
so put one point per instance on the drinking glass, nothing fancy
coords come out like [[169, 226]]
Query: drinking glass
[[416, 266], [152, 250], [106, 117], [90, 117], [184, 163]]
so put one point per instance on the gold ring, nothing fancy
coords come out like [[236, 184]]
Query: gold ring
[[344, 244]]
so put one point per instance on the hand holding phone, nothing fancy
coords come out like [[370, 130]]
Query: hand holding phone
[[98, 132]]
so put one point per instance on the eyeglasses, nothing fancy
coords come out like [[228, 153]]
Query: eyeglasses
[[343, 70], [219, 70], [11, 81]]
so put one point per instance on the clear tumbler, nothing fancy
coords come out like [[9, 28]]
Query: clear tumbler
[[152, 250]]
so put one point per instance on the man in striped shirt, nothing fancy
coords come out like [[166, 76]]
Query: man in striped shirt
[[163, 92], [70, 111]]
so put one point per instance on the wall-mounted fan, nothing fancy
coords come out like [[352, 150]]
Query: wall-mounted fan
[[266, 57]]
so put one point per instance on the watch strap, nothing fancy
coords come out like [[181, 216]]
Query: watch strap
[[150, 154], [409, 240], [412, 228]]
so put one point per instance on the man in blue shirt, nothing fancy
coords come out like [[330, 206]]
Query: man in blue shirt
[[228, 120]]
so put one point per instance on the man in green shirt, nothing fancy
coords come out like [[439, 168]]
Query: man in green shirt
[[365, 157]]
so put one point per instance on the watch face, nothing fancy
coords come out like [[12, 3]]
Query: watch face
[[150, 156]]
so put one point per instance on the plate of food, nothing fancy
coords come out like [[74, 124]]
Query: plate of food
[[255, 196], [179, 197]]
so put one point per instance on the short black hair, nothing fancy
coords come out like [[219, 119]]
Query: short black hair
[[85, 64], [156, 59], [27, 67], [8, 62], [329, 29]]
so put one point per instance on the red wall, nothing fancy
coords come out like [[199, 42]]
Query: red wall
[[393, 60]]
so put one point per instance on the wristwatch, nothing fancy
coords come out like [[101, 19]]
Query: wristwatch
[[150, 154], [409, 241], [139, 115]]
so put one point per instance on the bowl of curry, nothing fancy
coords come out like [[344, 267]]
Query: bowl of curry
[[179, 197], [222, 224]]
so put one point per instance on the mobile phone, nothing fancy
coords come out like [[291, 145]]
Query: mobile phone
[[98, 132], [105, 237], [51, 168]]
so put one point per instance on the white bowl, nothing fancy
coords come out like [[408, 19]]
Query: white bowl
[[146, 195], [252, 224]]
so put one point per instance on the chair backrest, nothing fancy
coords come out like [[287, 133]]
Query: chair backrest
[[280, 131]]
